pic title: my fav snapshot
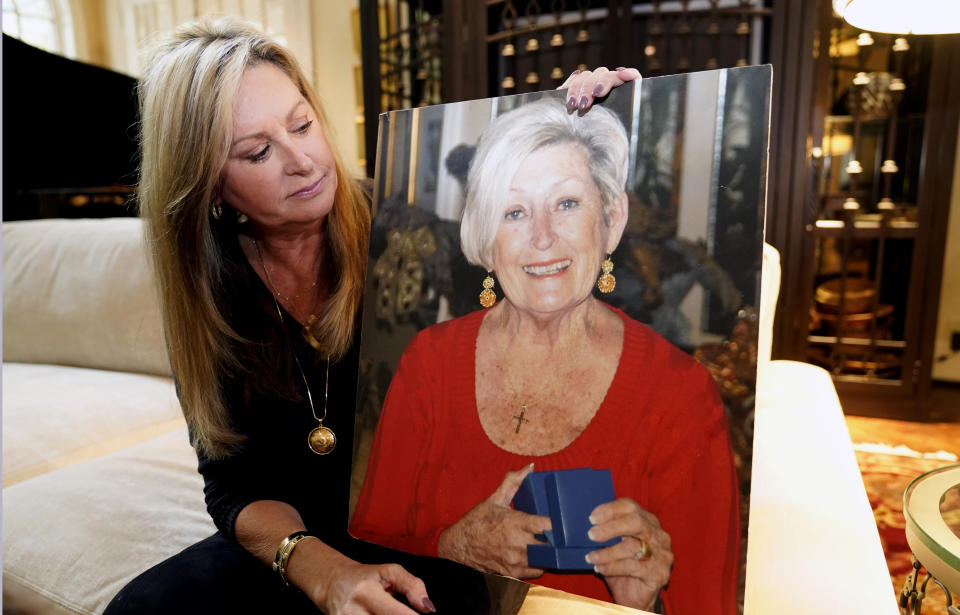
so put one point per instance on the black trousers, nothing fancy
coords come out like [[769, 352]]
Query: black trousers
[[217, 575]]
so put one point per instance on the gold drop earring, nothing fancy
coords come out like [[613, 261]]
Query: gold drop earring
[[487, 296], [607, 282]]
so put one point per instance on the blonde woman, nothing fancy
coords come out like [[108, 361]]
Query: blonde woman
[[259, 241]]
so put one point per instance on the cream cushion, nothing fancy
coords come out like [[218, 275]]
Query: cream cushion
[[74, 537], [813, 542], [81, 292], [54, 415]]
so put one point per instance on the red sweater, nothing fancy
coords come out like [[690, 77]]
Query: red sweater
[[660, 430]]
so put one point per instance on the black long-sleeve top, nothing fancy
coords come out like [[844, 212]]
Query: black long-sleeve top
[[267, 402]]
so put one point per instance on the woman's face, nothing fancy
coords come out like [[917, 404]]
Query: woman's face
[[552, 237], [280, 171]]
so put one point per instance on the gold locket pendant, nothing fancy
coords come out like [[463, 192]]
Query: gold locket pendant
[[322, 440]]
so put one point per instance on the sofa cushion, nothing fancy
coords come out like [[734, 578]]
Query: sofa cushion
[[814, 545], [81, 292], [54, 415], [74, 537]]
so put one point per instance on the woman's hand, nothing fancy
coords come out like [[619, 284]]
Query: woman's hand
[[634, 573], [494, 537], [335, 583], [583, 86], [360, 589]]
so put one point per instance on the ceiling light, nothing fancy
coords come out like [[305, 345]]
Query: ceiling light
[[900, 16]]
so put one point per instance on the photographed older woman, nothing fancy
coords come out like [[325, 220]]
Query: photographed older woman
[[259, 240], [552, 378]]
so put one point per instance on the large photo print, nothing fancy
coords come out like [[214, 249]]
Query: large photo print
[[558, 358]]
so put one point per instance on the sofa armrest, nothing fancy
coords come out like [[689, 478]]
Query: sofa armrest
[[769, 291], [813, 542]]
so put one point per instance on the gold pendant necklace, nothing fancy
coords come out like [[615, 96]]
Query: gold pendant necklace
[[321, 438]]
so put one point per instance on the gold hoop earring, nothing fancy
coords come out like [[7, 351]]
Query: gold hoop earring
[[216, 211], [607, 282], [487, 296]]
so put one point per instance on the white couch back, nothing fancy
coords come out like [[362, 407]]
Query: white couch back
[[769, 293], [81, 292]]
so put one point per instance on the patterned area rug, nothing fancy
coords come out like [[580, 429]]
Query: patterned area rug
[[885, 477]]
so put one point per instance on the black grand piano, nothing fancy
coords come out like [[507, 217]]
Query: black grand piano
[[69, 137]]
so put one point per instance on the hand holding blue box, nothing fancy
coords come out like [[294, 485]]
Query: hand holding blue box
[[567, 497]]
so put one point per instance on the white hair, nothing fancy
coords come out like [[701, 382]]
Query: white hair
[[513, 136]]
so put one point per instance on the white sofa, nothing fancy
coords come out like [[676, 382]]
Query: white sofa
[[99, 481]]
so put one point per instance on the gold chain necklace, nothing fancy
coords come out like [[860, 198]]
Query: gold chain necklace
[[292, 300], [321, 439], [276, 289]]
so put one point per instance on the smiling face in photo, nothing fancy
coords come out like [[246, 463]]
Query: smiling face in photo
[[280, 170], [552, 236]]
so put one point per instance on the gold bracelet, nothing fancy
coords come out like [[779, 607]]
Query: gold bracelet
[[283, 553]]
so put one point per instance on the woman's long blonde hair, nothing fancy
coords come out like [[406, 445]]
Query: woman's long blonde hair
[[186, 101]]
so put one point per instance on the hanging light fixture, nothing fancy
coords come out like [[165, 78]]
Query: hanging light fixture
[[901, 16]]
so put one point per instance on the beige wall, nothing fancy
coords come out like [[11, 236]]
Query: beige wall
[[89, 31], [334, 60], [948, 318]]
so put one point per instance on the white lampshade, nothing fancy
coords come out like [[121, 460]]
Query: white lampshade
[[901, 16]]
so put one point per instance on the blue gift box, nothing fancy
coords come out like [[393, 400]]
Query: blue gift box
[[567, 497]]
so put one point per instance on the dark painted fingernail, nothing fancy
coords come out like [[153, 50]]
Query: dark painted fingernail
[[598, 90], [584, 103], [428, 604], [571, 104]]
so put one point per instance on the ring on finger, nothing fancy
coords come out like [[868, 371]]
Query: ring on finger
[[643, 551]]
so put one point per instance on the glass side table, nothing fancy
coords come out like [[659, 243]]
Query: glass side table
[[931, 507]]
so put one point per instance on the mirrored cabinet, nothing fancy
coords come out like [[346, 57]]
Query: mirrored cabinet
[[863, 231]]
